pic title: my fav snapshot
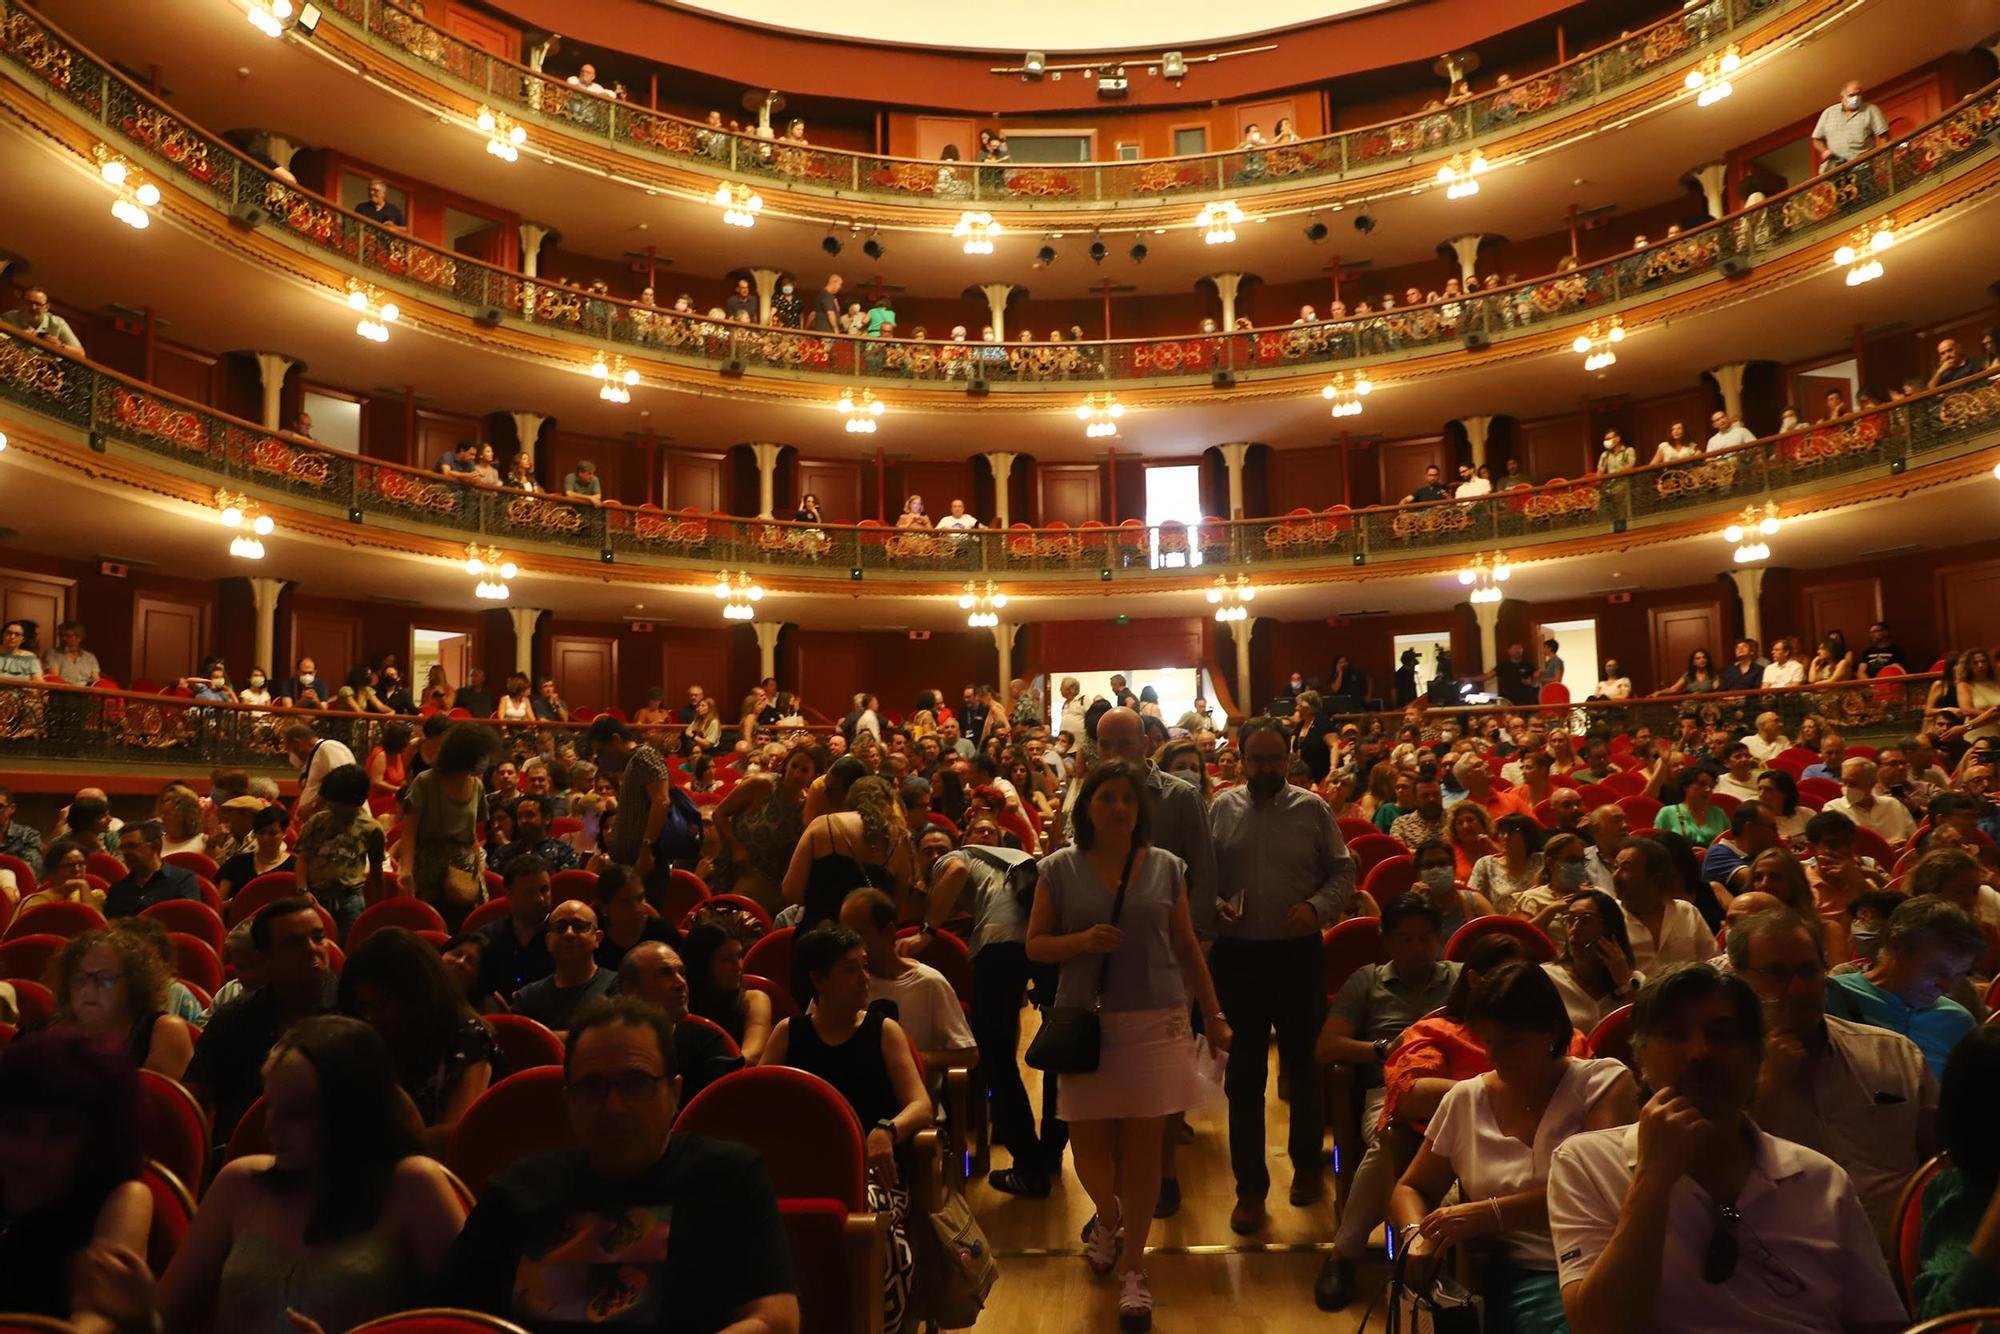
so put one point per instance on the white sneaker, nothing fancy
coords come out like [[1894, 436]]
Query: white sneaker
[[1100, 1252], [1135, 1302]]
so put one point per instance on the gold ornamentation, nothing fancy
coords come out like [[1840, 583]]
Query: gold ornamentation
[[1431, 521], [1555, 504], [149, 416], [1811, 447], [545, 516], [1715, 475], [1969, 406], [32, 369], [403, 489]]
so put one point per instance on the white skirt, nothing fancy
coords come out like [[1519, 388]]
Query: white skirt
[[1145, 1067]]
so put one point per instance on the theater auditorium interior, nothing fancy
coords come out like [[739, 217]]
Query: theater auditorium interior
[[738, 665]]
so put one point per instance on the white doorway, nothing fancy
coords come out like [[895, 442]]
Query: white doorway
[[1175, 686], [1578, 640], [1173, 495], [1427, 645], [449, 649]]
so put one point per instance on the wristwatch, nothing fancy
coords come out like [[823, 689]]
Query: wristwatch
[[889, 1124], [1381, 1046]]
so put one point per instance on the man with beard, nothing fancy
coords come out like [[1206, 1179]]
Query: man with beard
[[1695, 1216]]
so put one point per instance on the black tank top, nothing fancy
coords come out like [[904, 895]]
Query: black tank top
[[855, 1067]]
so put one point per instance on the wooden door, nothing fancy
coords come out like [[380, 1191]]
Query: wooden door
[[699, 481], [935, 133], [1557, 447], [1849, 607], [1679, 631], [455, 655], [829, 672], [1069, 493], [1403, 464], [169, 638], [39, 602], [477, 30], [585, 668], [331, 640], [837, 483], [1969, 598], [698, 660]]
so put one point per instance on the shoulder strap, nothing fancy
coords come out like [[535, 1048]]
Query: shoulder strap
[[1117, 910]]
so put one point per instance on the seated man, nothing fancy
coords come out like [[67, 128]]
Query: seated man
[[531, 827], [1697, 1219], [1859, 1094], [1835, 872], [572, 939], [1860, 802], [654, 972], [1739, 773], [1752, 828], [1927, 949], [517, 950], [637, 1227], [148, 879], [1365, 1023], [926, 1006], [1664, 927], [462, 461], [1769, 740]]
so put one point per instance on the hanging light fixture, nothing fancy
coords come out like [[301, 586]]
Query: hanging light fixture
[[618, 378], [1862, 255], [1458, 175], [1345, 397], [1228, 597], [977, 230], [738, 593], [740, 204], [1748, 533], [270, 16], [982, 602], [135, 195], [1711, 76], [504, 135], [1594, 344], [377, 313], [491, 569], [241, 513], [861, 409], [1485, 575], [1218, 221], [1100, 414]]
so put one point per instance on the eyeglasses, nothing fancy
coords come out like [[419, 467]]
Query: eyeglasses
[[101, 981], [630, 1086], [1718, 1261], [569, 926]]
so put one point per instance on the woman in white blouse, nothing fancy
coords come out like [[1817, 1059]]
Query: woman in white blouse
[[1494, 1136]]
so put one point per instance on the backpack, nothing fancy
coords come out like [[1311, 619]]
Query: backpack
[[955, 1270], [679, 840]]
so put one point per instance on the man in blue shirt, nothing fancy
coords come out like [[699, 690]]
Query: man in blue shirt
[[1927, 949], [149, 880], [462, 461]]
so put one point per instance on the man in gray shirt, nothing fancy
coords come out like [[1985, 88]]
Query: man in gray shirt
[[1282, 859], [35, 318], [1849, 128]]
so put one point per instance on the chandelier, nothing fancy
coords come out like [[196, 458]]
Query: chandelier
[[1485, 575], [1345, 397], [270, 16], [983, 602], [491, 570], [1100, 414], [1748, 533], [860, 407], [740, 204], [1218, 221], [239, 511], [376, 313], [1711, 76], [1458, 175], [737, 593], [977, 230], [1861, 256], [135, 196], [617, 376], [504, 136], [1228, 597], [1594, 344]]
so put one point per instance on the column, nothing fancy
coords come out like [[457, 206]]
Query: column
[[271, 371], [1729, 379], [767, 647], [767, 481], [1749, 581], [537, 54], [524, 619], [1003, 644], [1226, 286], [281, 151], [1467, 249], [1712, 177], [766, 283], [532, 236], [1246, 691], [996, 306], [527, 429], [264, 595], [1488, 616], [1476, 431], [1233, 454], [1002, 464]]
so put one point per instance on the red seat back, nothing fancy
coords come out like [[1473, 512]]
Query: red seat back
[[700, 1021], [783, 1004], [1613, 1036], [172, 1129], [1540, 947], [1600, 794], [1906, 1258], [1816, 792], [830, 1281], [524, 1044], [248, 1137], [263, 889], [439, 1320], [1350, 828], [24, 877], [685, 892], [1726, 802], [1348, 945], [28, 957], [410, 914], [807, 1134], [34, 1002], [1794, 761], [1390, 877], [490, 911], [1373, 848], [67, 920], [1867, 843], [567, 885], [199, 862], [173, 1214], [104, 864], [771, 956], [1624, 783], [195, 962], [947, 953], [522, 1115], [1640, 812], [190, 918]]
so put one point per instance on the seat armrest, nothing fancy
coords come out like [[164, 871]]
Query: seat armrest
[[867, 1240]]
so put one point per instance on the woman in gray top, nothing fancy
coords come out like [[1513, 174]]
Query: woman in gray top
[[1141, 972]]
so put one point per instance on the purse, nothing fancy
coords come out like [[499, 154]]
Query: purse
[[1441, 1306], [1071, 1038]]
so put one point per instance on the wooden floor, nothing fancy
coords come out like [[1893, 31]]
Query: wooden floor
[[1205, 1278]]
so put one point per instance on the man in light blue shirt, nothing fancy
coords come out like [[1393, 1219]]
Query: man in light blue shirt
[[1927, 949]]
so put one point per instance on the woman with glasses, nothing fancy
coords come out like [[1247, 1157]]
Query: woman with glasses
[[112, 986], [1565, 871], [1494, 1136], [1593, 974], [1516, 867], [65, 872]]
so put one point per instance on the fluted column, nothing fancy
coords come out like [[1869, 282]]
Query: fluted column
[[272, 368], [1466, 248], [1233, 455], [1003, 644], [1713, 178], [996, 306], [532, 236], [766, 283], [1476, 431], [524, 619], [1240, 631], [1729, 379], [281, 150], [1749, 581], [1002, 463], [767, 480], [767, 647], [1227, 285], [527, 429], [1488, 616], [264, 596]]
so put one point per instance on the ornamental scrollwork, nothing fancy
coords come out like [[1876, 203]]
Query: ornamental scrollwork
[[536, 514], [1714, 475], [1431, 521], [1970, 407], [32, 369], [147, 416], [1561, 503]]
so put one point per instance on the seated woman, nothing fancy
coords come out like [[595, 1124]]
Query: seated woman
[[866, 1056], [342, 1222], [266, 855], [65, 878], [1471, 831], [69, 1168], [112, 987], [1959, 1250], [1593, 973], [1515, 867], [1437, 880], [1565, 871], [1494, 1136], [624, 920], [1695, 817], [444, 1056], [714, 959], [464, 957]]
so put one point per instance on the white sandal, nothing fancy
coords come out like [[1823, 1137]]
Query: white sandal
[[1135, 1302], [1100, 1252]]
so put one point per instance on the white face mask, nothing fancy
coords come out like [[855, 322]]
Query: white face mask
[[1853, 101], [256, 681], [787, 289], [306, 678]]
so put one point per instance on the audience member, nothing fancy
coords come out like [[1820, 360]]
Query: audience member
[[517, 951], [341, 847], [717, 990], [148, 879], [572, 938], [438, 857], [1959, 1251], [1926, 950], [111, 986]]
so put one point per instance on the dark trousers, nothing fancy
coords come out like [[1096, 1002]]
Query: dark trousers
[[1266, 986], [999, 977]]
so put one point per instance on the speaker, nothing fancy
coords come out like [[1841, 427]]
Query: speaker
[[1477, 341], [489, 317], [1223, 379], [1735, 266], [248, 215], [977, 387], [732, 368]]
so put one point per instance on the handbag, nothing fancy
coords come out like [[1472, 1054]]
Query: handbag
[[1441, 1306], [1071, 1037], [955, 1269]]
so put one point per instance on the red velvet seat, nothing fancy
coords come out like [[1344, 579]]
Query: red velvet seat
[[439, 1320], [257, 892], [524, 1114], [24, 876], [700, 1022], [1868, 843], [1613, 1036], [771, 956], [248, 1137], [1624, 783], [783, 1004], [1816, 792], [1390, 877], [105, 864], [1906, 1257], [28, 957], [1370, 849], [195, 962], [490, 911], [1640, 811], [1599, 794], [173, 1214], [1794, 761], [67, 920], [524, 1044], [173, 1129], [411, 914], [686, 891], [35, 1003], [947, 953], [1348, 945], [190, 918], [567, 885], [1540, 947], [564, 825], [6, 1035], [1351, 829], [199, 862], [1726, 802]]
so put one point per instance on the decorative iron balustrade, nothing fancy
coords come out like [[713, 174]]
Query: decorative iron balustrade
[[208, 167]]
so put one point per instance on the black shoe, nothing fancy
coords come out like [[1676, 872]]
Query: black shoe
[[1014, 1181], [1334, 1287], [1169, 1202]]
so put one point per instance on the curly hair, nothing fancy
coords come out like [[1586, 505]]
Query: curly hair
[[146, 976], [874, 800]]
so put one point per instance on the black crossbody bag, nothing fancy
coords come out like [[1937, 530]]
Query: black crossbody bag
[[1071, 1037]]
